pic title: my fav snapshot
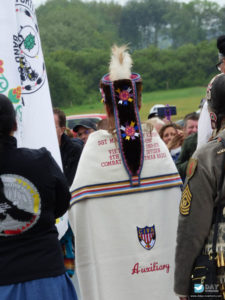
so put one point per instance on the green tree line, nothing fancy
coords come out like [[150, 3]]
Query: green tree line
[[170, 50]]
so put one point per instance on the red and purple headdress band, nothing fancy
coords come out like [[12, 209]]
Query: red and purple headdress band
[[124, 96]]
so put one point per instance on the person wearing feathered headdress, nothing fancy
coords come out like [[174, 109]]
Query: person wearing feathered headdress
[[125, 199]]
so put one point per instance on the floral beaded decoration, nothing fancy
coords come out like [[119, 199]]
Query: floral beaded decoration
[[123, 95], [130, 131]]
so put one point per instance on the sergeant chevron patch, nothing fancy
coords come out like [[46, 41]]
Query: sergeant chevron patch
[[185, 202]]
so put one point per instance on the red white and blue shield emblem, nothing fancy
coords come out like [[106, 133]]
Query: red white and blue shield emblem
[[147, 237]]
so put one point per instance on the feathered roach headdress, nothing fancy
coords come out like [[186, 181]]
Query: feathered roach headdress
[[121, 90]]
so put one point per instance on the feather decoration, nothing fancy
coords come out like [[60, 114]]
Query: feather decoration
[[120, 64]]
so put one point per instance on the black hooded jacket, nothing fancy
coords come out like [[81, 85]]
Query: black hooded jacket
[[36, 193]]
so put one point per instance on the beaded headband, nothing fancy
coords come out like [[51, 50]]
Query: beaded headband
[[124, 97]]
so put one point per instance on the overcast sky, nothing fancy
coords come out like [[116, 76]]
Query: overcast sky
[[38, 2]]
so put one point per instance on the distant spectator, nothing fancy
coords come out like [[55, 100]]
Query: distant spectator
[[84, 128], [173, 137], [191, 123], [70, 150], [154, 111], [190, 143], [187, 149], [156, 122], [180, 123]]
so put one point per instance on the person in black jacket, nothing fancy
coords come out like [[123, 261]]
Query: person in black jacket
[[70, 148], [33, 193]]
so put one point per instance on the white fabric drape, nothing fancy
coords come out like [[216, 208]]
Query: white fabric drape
[[23, 78], [111, 262]]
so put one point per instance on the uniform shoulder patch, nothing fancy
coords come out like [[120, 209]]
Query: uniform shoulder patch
[[191, 167], [185, 203]]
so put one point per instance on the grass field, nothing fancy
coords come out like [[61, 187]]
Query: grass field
[[186, 100]]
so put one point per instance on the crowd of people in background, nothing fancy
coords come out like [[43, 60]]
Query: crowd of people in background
[[111, 179], [180, 137], [177, 135]]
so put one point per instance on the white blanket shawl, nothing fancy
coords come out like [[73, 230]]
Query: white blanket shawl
[[125, 236]]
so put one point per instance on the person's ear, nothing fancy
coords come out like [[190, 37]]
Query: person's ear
[[15, 126]]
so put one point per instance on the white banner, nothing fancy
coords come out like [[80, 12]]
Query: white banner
[[23, 78]]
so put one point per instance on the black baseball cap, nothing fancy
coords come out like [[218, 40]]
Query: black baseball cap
[[86, 124]]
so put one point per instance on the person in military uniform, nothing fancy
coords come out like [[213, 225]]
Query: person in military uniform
[[200, 194]]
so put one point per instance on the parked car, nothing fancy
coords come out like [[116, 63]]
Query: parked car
[[73, 120]]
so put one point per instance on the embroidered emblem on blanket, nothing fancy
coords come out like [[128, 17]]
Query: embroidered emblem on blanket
[[147, 237], [185, 203]]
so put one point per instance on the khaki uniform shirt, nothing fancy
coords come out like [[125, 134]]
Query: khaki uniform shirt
[[199, 198]]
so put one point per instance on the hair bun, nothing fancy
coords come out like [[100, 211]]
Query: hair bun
[[221, 44]]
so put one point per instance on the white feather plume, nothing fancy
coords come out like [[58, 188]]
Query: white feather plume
[[120, 64]]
